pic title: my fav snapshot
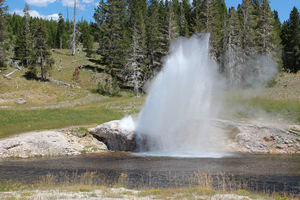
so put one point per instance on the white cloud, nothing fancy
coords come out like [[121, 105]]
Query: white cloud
[[70, 3], [18, 12], [40, 2], [34, 13], [87, 1]]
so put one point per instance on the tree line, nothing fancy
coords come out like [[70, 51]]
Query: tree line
[[134, 35], [30, 40]]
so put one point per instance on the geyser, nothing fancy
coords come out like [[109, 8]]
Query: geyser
[[181, 102]]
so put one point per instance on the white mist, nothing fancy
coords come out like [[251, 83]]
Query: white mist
[[176, 116]]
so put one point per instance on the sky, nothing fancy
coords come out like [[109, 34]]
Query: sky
[[49, 9]]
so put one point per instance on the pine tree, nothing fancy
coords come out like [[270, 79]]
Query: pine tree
[[248, 21], [51, 28], [74, 31], [165, 28], [233, 53], [69, 33], [111, 17], [100, 16], [172, 21], [277, 23], [155, 47], [267, 35], [209, 16], [136, 71], [86, 37], [195, 19], [3, 34], [23, 47], [291, 42], [42, 56], [184, 15], [15, 22], [61, 35], [277, 30]]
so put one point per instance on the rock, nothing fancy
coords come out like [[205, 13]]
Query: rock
[[20, 101], [116, 138], [280, 146], [269, 139], [229, 197], [48, 143], [79, 132], [295, 128], [254, 138], [248, 138]]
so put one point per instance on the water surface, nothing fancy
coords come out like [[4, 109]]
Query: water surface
[[257, 172]]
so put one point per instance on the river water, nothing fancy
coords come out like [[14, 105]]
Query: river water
[[280, 173]]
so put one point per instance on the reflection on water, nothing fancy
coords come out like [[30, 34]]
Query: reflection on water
[[255, 172]]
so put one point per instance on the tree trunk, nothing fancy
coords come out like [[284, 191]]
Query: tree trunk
[[74, 31]]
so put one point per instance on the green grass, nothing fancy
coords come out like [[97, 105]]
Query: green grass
[[13, 121], [16, 121], [289, 109]]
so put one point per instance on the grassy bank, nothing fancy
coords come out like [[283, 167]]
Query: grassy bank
[[88, 186], [24, 119], [287, 110], [14, 121]]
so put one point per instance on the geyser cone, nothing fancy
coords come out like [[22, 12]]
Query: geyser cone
[[176, 116]]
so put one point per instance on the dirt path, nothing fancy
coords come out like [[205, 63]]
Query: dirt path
[[90, 98]]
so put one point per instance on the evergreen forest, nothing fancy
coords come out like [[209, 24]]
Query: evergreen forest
[[131, 37]]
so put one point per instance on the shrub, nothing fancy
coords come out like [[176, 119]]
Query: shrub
[[108, 86]]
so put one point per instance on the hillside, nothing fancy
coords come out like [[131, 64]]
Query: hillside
[[49, 105], [38, 93]]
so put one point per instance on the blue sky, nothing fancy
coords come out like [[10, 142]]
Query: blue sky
[[51, 8]]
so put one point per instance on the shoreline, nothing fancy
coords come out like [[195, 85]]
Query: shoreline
[[240, 138]]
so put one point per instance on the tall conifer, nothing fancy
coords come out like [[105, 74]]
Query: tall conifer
[[3, 34], [23, 47], [136, 71], [42, 56], [291, 41]]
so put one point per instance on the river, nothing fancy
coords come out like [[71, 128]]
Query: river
[[269, 173]]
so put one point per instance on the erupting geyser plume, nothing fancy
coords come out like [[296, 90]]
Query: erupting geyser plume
[[176, 116]]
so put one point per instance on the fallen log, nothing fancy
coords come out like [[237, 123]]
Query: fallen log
[[63, 83], [7, 76]]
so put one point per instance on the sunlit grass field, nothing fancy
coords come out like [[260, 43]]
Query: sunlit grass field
[[14, 121]]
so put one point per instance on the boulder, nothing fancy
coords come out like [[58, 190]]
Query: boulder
[[20, 101], [48, 143], [115, 136]]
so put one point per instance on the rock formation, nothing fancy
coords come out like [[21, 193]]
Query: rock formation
[[252, 138], [116, 138], [240, 137], [49, 143]]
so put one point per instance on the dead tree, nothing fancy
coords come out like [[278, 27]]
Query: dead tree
[[74, 31]]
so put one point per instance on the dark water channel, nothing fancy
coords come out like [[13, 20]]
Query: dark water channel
[[255, 172]]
